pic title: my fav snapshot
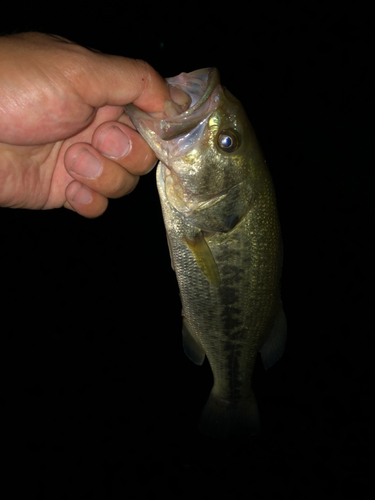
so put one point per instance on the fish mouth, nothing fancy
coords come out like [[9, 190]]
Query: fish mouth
[[156, 128]]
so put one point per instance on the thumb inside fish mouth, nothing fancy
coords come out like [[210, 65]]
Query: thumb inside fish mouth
[[179, 103], [179, 97], [171, 109], [181, 117]]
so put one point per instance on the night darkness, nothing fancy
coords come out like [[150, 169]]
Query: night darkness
[[99, 399]]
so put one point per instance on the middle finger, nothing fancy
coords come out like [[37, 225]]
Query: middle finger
[[124, 144]]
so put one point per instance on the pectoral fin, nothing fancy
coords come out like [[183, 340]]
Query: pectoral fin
[[204, 258]]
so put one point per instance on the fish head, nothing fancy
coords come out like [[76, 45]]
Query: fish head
[[207, 150]]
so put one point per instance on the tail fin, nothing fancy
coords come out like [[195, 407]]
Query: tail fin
[[224, 419]]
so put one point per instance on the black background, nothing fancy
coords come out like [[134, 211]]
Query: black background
[[99, 399]]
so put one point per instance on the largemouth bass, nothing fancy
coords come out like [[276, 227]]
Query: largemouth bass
[[224, 237]]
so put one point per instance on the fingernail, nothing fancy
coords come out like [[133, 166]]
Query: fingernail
[[180, 97], [86, 164], [171, 109], [82, 195], [113, 142]]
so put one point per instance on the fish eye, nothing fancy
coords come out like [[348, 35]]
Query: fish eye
[[228, 140]]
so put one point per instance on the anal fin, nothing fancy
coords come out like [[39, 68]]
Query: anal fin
[[274, 346]]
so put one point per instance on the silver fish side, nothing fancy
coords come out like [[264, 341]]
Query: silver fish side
[[223, 231]]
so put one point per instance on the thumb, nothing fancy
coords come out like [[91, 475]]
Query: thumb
[[116, 81]]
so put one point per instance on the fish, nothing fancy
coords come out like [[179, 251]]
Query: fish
[[224, 237]]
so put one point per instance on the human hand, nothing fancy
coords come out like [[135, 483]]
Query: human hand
[[64, 137]]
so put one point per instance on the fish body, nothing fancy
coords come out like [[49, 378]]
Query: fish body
[[223, 231]]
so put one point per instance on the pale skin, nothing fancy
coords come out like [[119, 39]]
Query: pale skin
[[65, 140]]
